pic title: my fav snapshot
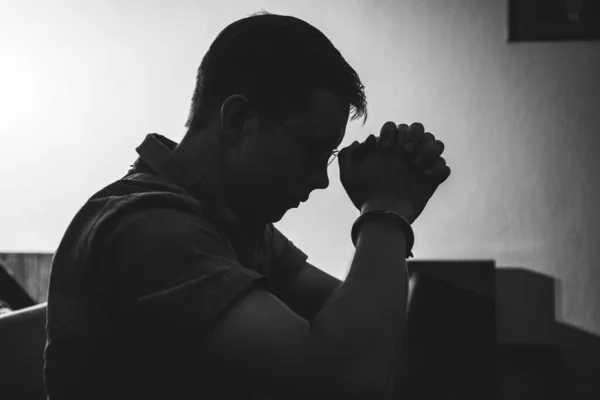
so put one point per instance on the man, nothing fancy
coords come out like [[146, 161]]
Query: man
[[173, 283]]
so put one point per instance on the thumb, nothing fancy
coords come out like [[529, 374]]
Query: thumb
[[345, 155], [364, 148]]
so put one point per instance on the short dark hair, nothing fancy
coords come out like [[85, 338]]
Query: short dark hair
[[275, 61]]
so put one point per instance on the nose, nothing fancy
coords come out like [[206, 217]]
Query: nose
[[319, 178]]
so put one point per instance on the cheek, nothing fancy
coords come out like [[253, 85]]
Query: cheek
[[290, 166], [273, 167], [280, 172]]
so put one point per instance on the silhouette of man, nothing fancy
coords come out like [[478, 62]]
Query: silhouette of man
[[173, 283]]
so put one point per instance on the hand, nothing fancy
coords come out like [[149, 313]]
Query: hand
[[423, 147], [380, 171]]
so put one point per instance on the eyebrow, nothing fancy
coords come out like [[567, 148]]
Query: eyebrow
[[325, 140]]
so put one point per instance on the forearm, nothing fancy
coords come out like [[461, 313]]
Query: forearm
[[366, 315]]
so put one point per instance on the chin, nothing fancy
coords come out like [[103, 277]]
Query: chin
[[271, 215], [265, 213], [275, 214]]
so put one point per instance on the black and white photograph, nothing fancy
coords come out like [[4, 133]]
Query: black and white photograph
[[300, 200]]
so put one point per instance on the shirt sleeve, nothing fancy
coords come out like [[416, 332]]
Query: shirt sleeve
[[174, 273], [286, 259]]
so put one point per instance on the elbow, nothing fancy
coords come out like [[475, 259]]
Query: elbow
[[344, 374]]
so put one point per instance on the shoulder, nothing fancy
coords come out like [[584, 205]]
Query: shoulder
[[151, 220], [145, 210], [165, 247]]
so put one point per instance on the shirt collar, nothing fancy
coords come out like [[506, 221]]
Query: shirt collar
[[157, 154]]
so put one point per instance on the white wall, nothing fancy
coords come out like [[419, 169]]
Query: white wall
[[84, 82]]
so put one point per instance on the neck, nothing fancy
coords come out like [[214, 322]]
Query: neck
[[204, 156], [202, 152]]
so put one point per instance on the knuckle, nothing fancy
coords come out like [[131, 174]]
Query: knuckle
[[386, 134], [417, 125], [439, 147], [388, 129]]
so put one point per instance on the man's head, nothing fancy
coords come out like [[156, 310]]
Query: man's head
[[271, 103]]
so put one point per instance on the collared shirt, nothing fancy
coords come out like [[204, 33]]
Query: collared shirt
[[143, 272]]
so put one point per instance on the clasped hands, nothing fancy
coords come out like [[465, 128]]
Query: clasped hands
[[422, 148]]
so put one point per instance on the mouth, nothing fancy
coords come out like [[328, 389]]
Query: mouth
[[304, 199]]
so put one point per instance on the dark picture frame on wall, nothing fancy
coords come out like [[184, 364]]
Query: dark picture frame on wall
[[553, 20]]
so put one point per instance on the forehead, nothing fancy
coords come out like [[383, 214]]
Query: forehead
[[326, 119]]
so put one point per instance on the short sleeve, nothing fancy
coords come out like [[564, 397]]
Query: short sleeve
[[286, 259], [174, 273]]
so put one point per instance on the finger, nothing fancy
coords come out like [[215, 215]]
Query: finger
[[345, 154], [414, 135], [441, 174], [428, 153], [435, 167], [388, 135], [401, 135], [369, 145], [428, 138], [439, 171], [363, 149]]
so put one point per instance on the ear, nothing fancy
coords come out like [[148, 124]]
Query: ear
[[235, 112]]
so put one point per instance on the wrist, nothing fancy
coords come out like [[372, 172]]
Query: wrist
[[402, 208], [387, 220]]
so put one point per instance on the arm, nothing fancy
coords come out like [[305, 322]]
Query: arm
[[307, 293], [184, 294], [349, 349], [194, 303], [300, 285]]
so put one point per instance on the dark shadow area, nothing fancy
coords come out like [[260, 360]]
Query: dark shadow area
[[539, 357], [31, 271], [450, 338], [479, 332], [22, 342], [473, 332], [553, 20], [11, 292]]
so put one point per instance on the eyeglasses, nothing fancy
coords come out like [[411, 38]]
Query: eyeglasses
[[310, 143]]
